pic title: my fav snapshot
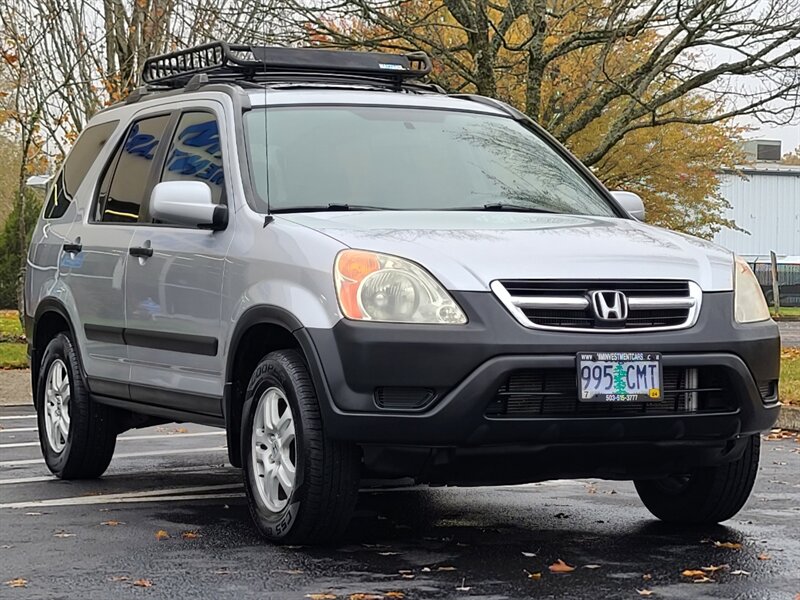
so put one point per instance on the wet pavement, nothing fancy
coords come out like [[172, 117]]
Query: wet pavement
[[790, 333], [95, 539]]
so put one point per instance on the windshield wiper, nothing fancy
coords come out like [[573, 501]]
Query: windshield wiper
[[330, 207], [499, 206]]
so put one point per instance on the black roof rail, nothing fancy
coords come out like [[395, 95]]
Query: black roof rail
[[220, 61]]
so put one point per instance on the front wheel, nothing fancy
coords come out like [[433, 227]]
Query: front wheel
[[706, 495], [301, 486]]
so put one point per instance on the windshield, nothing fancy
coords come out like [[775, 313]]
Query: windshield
[[313, 158]]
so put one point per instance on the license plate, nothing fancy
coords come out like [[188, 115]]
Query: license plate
[[619, 376]]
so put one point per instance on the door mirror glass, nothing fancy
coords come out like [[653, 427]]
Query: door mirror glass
[[631, 202], [187, 203]]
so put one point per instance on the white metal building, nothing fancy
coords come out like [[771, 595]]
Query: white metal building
[[765, 202]]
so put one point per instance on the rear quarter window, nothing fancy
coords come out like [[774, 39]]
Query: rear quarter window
[[77, 164]]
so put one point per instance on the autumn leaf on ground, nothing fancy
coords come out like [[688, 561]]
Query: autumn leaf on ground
[[728, 545], [703, 580], [190, 535], [715, 568], [19, 582], [591, 566], [63, 534], [647, 576], [645, 592], [359, 596], [740, 572], [693, 573], [446, 568], [398, 595], [560, 567], [161, 535], [322, 596], [764, 556], [112, 523], [119, 578], [145, 583], [536, 576]]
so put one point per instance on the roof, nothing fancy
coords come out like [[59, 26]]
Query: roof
[[763, 168]]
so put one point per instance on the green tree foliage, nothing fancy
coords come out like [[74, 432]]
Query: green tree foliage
[[9, 249]]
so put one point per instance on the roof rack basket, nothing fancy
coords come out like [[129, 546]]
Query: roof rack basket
[[223, 61]]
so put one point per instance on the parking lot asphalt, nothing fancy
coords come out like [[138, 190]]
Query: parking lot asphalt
[[100, 539], [790, 333]]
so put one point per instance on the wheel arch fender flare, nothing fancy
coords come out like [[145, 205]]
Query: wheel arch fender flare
[[260, 315], [50, 305]]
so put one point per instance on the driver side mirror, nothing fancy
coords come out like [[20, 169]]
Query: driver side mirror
[[187, 203], [631, 202]]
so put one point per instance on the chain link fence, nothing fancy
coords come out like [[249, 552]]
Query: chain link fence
[[788, 283]]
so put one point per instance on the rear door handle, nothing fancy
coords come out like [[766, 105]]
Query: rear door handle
[[73, 248], [141, 251]]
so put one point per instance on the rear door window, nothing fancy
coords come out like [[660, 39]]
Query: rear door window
[[195, 153], [129, 175], [77, 164]]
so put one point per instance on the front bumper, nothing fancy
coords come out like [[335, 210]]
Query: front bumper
[[464, 366]]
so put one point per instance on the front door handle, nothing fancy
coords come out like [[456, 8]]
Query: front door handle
[[141, 251], [73, 248]]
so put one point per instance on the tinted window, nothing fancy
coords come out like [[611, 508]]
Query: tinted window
[[128, 176], [409, 158], [195, 153], [78, 162]]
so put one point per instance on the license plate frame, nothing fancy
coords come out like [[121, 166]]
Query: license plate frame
[[620, 390]]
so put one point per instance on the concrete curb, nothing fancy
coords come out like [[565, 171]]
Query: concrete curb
[[789, 418], [15, 387]]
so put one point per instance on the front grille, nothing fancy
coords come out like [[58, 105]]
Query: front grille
[[531, 393], [567, 305]]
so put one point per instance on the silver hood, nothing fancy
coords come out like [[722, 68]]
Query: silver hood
[[468, 250]]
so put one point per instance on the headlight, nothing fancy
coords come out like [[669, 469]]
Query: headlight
[[749, 303], [379, 287]]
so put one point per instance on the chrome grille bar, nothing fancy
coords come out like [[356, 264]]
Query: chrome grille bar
[[653, 305]]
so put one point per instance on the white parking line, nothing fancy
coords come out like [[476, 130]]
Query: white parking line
[[162, 436], [18, 429], [124, 475], [9, 417], [40, 461], [149, 495]]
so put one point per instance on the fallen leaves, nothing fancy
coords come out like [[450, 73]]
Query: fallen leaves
[[63, 534], [19, 582], [118, 578], [144, 583], [714, 568], [693, 573], [560, 567], [728, 545], [162, 535], [190, 535], [764, 556], [322, 596], [112, 523], [535, 576], [645, 592], [398, 595], [360, 596], [591, 566], [740, 573]]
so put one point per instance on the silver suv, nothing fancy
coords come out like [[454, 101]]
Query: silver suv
[[364, 279]]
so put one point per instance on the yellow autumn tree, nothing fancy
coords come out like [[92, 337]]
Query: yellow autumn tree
[[628, 86]]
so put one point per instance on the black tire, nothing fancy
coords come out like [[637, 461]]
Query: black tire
[[327, 472], [91, 434], [706, 495]]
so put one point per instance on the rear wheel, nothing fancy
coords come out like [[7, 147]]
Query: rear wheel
[[705, 495], [77, 436], [301, 486]]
